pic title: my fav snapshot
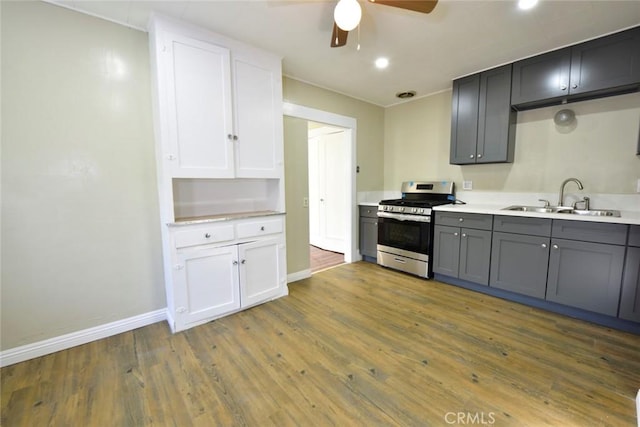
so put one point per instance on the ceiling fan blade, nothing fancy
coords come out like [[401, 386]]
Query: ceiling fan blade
[[338, 36], [423, 6]]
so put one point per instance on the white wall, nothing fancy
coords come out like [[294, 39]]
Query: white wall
[[80, 229], [599, 149]]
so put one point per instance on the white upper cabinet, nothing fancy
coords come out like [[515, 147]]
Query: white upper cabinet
[[258, 118], [220, 105], [199, 108]]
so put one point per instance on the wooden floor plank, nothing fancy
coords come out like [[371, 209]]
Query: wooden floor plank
[[353, 345]]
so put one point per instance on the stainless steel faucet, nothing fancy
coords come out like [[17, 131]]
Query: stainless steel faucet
[[561, 198]]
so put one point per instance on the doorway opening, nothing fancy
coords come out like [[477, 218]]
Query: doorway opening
[[345, 127], [328, 201]]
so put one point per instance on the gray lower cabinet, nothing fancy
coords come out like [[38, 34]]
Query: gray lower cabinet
[[520, 254], [519, 263], [368, 231], [585, 275], [462, 252], [630, 298]]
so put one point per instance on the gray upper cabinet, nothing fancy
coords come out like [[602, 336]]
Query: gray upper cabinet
[[604, 66], [607, 63], [541, 78], [630, 298], [482, 121]]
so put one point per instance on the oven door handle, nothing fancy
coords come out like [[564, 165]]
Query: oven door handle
[[404, 217]]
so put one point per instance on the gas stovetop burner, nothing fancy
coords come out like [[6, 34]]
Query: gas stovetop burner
[[414, 203], [418, 197]]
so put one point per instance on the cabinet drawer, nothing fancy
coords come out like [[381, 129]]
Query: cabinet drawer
[[634, 235], [520, 225], [615, 234], [369, 211], [478, 221], [259, 228], [203, 235]]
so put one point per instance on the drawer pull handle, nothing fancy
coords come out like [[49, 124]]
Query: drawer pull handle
[[243, 261], [555, 246], [208, 235], [235, 262], [401, 261], [464, 234], [262, 228], [455, 234], [544, 245], [460, 219]]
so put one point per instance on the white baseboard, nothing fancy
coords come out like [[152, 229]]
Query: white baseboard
[[63, 342], [298, 275]]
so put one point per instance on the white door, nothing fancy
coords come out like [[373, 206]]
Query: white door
[[258, 118], [206, 285], [198, 100], [262, 270], [328, 190]]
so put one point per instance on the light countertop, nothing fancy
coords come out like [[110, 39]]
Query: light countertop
[[221, 217], [626, 216]]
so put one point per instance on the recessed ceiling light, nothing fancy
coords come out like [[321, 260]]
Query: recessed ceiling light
[[527, 4], [382, 63]]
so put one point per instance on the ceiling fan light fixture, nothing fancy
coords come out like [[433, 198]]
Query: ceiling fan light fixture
[[347, 14]]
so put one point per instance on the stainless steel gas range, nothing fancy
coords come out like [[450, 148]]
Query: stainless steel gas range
[[405, 226]]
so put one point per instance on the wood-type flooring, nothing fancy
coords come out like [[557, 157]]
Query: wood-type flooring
[[320, 259], [355, 345]]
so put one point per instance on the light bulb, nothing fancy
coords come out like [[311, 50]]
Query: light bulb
[[347, 14], [527, 4]]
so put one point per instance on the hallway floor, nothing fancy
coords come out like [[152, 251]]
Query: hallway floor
[[321, 259]]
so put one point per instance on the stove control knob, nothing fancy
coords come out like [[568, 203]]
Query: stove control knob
[[402, 209], [421, 211]]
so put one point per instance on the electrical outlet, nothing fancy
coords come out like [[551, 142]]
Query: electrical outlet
[[305, 202], [467, 185]]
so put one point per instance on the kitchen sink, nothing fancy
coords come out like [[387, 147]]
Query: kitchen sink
[[539, 209], [596, 212], [564, 210]]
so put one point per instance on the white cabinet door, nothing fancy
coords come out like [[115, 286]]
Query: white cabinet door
[[262, 270], [206, 285], [199, 108], [258, 118]]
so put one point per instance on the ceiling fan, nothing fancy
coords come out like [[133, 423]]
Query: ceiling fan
[[347, 15]]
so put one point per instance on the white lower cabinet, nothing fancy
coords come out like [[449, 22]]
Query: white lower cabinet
[[206, 285], [211, 280]]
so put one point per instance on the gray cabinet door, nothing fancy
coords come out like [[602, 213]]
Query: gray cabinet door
[[606, 63], [475, 255], [368, 236], [585, 275], [496, 119], [630, 299], [446, 250], [541, 77], [519, 263], [464, 120]]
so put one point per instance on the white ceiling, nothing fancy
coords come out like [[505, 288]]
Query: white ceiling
[[425, 51]]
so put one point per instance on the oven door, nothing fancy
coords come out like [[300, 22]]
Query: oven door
[[405, 234]]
